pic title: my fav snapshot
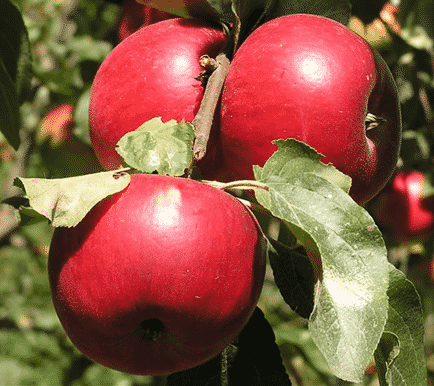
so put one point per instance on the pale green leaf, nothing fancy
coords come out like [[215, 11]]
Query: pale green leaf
[[400, 355], [66, 201], [347, 252], [157, 146]]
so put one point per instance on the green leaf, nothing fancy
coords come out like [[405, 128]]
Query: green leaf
[[294, 277], [15, 70], [385, 355], [338, 10], [303, 159], [252, 359], [249, 15], [157, 146], [81, 117], [211, 10], [416, 20], [29, 216], [15, 48], [400, 355], [346, 250], [9, 108], [88, 48], [302, 339], [66, 201]]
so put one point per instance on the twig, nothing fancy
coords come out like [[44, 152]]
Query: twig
[[202, 122], [239, 184]]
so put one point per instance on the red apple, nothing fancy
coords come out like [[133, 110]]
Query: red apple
[[402, 208], [158, 278], [135, 15], [57, 125], [389, 14], [152, 74], [311, 78], [61, 151]]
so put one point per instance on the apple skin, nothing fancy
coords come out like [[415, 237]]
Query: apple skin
[[311, 78], [166, 248], [402, 209], [152, 74]]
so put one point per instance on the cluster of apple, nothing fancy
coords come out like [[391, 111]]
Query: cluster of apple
[[162, 276], [300, 76]]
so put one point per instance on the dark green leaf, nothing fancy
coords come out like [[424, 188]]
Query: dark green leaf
[[385, 355], [157, 146], [346, 250], [338, 10], [294, 277], [9, 108], [417, 22], [253, 359], [15, 70], [400, 356], [15, 48], [211, 10], [367, 10]]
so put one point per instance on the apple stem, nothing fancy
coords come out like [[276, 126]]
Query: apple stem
[[240, 184], [256, 207], [202, 122], [372, 121]]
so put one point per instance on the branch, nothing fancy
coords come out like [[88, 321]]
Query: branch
[[202, 122]]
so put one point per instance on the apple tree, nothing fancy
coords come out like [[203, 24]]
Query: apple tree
[[216, 192]]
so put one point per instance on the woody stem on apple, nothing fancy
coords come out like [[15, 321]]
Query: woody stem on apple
[[203, 120]]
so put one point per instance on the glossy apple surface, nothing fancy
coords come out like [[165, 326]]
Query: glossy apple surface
[[402, 208], [310, 78], [152, 74], [168, 258]]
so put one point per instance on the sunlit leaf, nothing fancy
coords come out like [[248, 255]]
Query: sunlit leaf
[[346, 250], [66, 201], [157, 146]]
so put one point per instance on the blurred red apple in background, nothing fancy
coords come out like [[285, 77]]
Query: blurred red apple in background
[[63, 153], [403, 210]]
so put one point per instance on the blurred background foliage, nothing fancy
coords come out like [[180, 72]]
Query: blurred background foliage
[[69, 40]]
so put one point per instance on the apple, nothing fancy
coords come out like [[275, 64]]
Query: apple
[[152, 74], [402, 208], [375, 33], [57, 125], [158, 278], [389, 15], [135, 15], [311, 78], [63, 153]]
